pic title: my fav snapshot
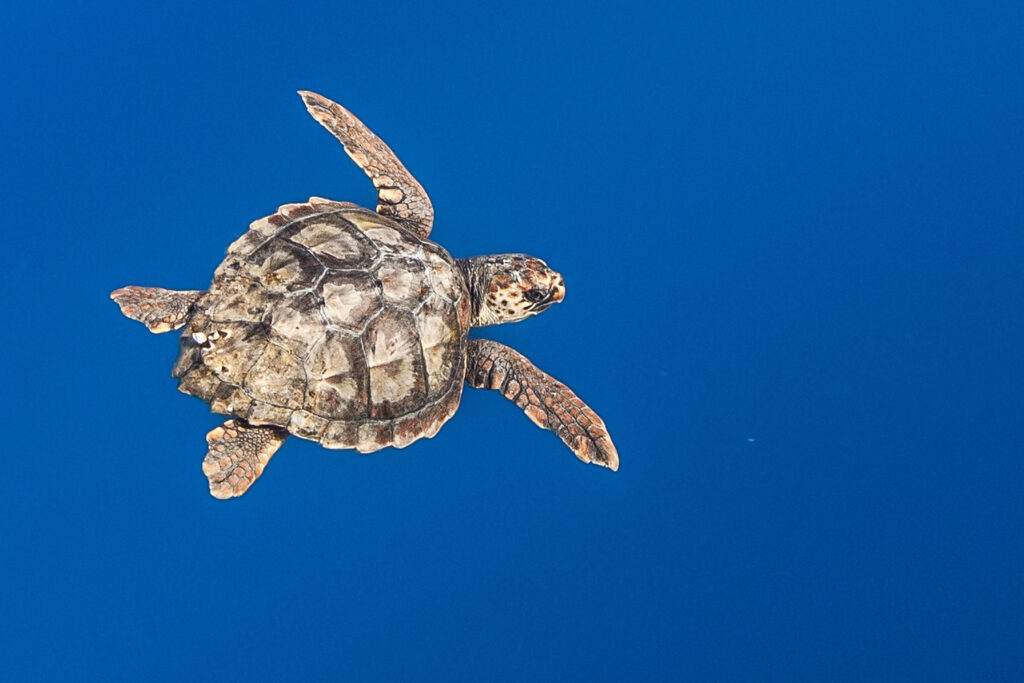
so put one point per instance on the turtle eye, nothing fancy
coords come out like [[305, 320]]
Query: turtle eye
[[534, 295]]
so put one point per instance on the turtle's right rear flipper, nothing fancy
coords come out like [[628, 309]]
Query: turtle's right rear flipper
[[161, 310]]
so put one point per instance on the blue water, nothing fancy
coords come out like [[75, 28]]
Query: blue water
[[792, 239]]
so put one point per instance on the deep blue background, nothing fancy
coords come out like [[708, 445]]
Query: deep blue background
[[791, 234]]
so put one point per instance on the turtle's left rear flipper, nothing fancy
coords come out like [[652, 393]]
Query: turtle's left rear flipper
[[161, 310], [237, 455]]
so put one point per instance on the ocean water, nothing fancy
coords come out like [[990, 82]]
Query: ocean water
[[791, 237]]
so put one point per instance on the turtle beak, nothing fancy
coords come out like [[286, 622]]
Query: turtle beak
[[557, 292], [554, 295]]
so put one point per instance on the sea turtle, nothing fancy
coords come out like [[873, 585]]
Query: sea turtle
[[349, 327]]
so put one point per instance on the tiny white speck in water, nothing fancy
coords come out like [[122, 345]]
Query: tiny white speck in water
[[751, 439]]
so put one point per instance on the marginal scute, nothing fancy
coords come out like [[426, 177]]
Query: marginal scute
[[324, 204], [307, 425], [259, 232], [450, 403], [430, 420], [267, 414], [373, 436], [298, 211], [465, 312], [340, 434], [407, 430]]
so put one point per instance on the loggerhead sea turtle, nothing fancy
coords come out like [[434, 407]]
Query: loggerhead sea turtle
[[350, 327]]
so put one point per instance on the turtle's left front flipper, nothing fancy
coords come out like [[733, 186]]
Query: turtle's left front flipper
[[161, 310], [546, 401], [399, 194]]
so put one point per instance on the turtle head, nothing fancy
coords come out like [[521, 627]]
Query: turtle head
[[506, 288]]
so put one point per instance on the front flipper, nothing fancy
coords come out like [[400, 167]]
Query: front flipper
[[161, 310], [399, 195], [238, 453], [545, 400]]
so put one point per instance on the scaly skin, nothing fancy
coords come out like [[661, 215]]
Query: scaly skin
[[546, 401], [237, 455], [399, 195], [160, 310]]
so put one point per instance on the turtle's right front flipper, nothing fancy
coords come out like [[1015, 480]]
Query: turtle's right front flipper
[[547, 402], [161, 310]]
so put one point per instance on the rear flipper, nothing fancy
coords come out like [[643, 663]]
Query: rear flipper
[[238, 453], [161, 310]]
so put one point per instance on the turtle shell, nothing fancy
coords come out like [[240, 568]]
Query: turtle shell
[[334, 322]]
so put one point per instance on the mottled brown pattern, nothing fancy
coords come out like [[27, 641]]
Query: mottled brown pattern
[[284, 267], [340, 434], [307, 425], [399, 195], [510, 287], [335, 242], [338, 378], [439, 337], [350, 298], [239, 299], [277, 378], [398, 380], [334, 322], [546, 401], [297, 323]]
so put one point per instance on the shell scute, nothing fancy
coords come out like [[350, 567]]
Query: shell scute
[[350, 298], [439, 336], [277, 378], [239, 300], [335, 242], [403, 281], [340, 434], [398, 382], [297, 323], [268, 414], [373, 436], [284, 267], [388, 239], [337, 378], [307, 425]]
